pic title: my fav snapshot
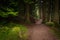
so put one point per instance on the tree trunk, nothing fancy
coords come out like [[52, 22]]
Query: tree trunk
[[56, 15], [27, 13]]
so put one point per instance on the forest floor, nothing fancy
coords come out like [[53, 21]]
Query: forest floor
[[40, 32]]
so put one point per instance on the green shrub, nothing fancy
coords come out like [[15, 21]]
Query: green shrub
[[15, 32], [4, 33], [50, 24]]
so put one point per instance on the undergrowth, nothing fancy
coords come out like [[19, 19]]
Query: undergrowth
[[12, 31], [55, 28]]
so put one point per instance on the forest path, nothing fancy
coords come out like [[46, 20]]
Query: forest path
[[40, 32]]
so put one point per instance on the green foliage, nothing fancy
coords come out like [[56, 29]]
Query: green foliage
[[3, 33], [10, 8], [16, 32], [50, 24], [5, 14]]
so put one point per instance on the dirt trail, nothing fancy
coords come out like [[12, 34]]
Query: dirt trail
[[40, 32]]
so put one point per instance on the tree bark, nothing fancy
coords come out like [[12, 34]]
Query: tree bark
[[56, 15], [27, 13]]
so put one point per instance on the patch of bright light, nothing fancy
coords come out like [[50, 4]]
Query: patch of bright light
[[16, 29]]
